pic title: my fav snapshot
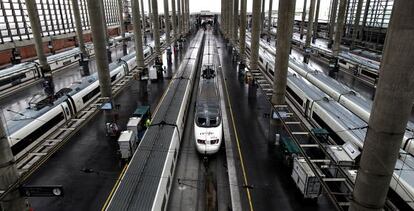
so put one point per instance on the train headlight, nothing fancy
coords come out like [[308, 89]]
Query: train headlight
[[214, 141], [201, 141]]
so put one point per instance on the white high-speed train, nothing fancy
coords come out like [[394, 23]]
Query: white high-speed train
[[208, 126], [29, 71], [346, 97], [359, 65], [35, 124], [337, 91], [345, 128]]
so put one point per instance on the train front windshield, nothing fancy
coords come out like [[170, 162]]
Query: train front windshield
[[209, 118]]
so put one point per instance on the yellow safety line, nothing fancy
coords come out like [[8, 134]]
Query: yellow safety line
[[238, 148], [114, 188]]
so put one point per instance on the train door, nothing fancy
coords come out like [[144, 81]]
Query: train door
[[307, 108], [66, 110], [126, 68], [71, 105]]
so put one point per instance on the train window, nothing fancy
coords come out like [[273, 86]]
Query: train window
[[294, 95], [172, 169], [113, 77], [14, 80], [201, 121], [26, 141], [322, 124], [90, 95], [163, 203], [369, 74], [271, 70], [342, 61], [213, 121], [168, 183]]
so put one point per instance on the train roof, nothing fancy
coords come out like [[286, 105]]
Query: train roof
[[310, 90], [129, 56], [21, 119], [340, 88], [208, 92], [18, 68], [373, 65], [345, 118], [364, 103], [63, 55], [29, 114], [210, 48], [327, 103], [208, 99]]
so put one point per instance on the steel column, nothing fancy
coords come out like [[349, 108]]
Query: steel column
[[99, 45], [37, 34], [286, 14], [156, 28], [242, 30], [302, 24], [316, 23], [254, 57], [136, 21], [339, 28], [167, 22]]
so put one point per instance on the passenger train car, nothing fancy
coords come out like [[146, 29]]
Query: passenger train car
[[344, 127], [35, 124], [359, 65], [30, 71], [23, 73], [348, 130], [17, 74], [346, 97], [335, 90], [208, 126]]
